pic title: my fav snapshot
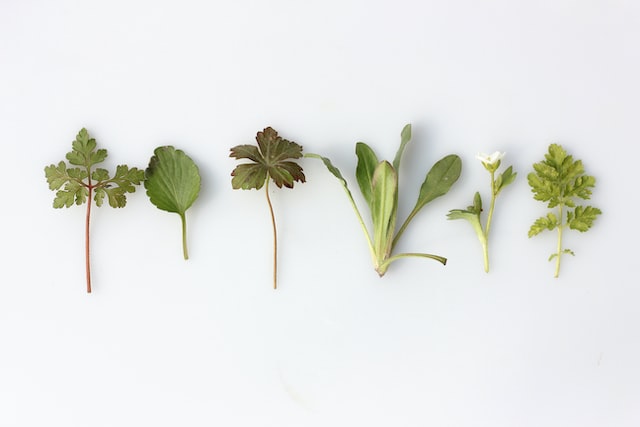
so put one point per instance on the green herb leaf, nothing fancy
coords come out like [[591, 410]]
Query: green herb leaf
[[271, 160], [472, 215], [582, 217], [76, 185], [558, 181], [439, 180], [172, 181], [543, 223], [504, 179], [336, 172]]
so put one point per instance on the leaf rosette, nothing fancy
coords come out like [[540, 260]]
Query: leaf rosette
[[378, 182]]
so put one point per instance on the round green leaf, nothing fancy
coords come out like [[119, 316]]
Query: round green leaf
[[172, 180]]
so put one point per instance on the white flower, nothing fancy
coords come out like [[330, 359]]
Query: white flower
[[490, 159]]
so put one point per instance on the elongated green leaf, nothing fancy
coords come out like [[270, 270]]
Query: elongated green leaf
[[172, 181], [405, 137], [384, 205], [439, 180], [437, 183], [336, 172], [367, 163]]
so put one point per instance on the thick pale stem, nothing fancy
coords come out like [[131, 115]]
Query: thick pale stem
[[185, 252], [560, 227], [485, 251], [275, 238], [86, 239], [485, 244]]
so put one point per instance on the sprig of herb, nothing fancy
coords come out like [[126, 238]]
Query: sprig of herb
[[172, 181], [77, 185], [378, 182], [270, 160], [472, 214], [558, 180]]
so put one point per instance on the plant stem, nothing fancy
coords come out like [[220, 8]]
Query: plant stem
[[401, 230], [185, 252], [86, 238], [560, 227], [275, 237], [485, 244], [485, 252], [382, 269]]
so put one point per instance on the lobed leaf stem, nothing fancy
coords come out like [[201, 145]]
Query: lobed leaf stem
[[275, 237], [86, 237]]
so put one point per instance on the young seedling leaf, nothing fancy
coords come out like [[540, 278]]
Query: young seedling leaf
[[270, 159], [83, 184], [172, 181]]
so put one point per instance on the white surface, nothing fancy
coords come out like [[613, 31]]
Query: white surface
[[164, 342]]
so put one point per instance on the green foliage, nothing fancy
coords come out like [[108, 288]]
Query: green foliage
[[378, 182], [543, 223], [504, 179], [172, 181], [558, 181], [269, 160], [73, 184], [76, 185], [472, 213]]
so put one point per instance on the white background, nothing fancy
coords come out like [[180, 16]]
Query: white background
[[206, 342]]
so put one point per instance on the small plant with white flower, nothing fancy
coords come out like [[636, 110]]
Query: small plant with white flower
[[491, 163]]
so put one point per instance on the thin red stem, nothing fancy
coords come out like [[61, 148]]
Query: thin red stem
[[86, 240]]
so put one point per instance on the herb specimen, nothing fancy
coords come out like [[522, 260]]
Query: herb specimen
[[84, 183], [269, 160], [558, 180], [378, 182], [472, 214], [172, 181]]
